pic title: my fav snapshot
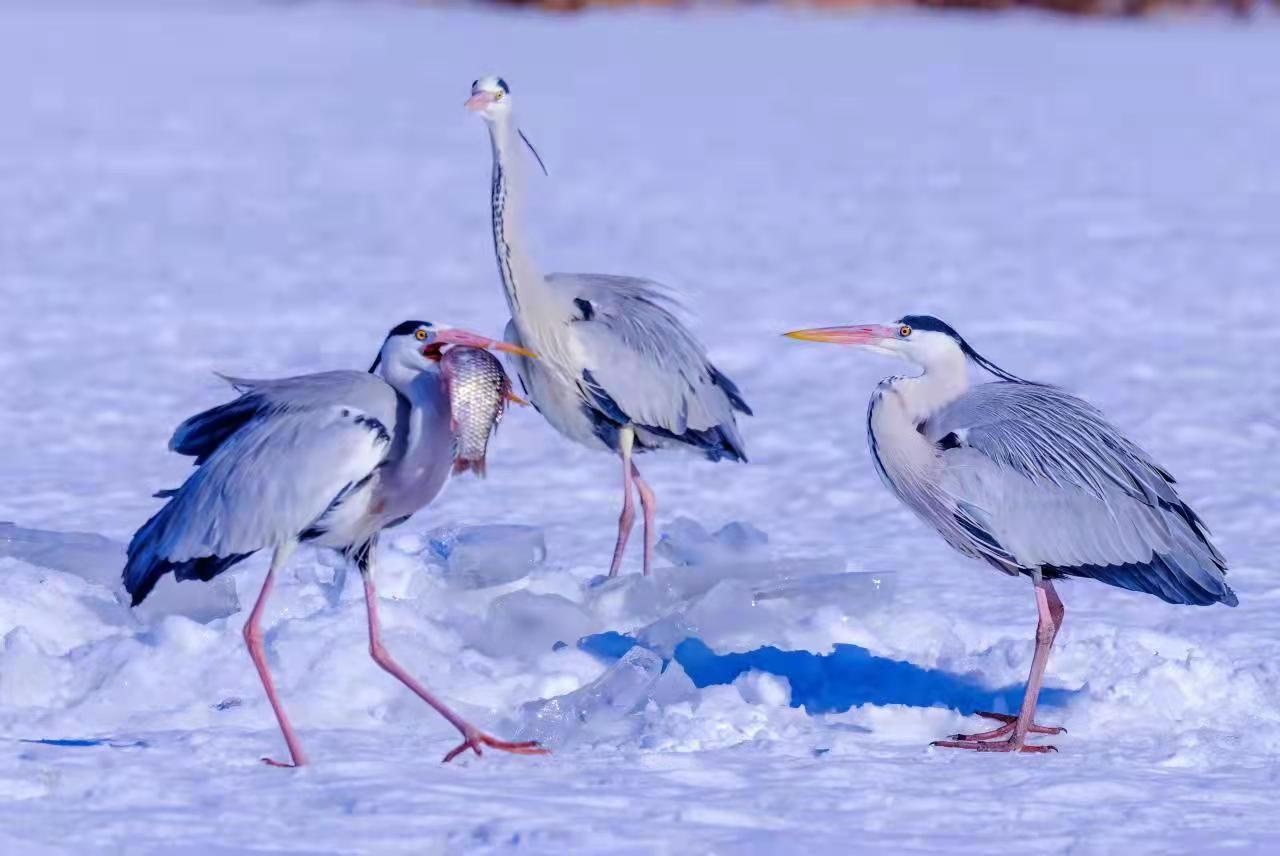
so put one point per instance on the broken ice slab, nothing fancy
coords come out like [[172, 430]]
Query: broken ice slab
[[523, 623], [89, 556], [483, 556], [743, 611], [687, 582], [686, 542], [596, 710], [100, 560], [853, 592]]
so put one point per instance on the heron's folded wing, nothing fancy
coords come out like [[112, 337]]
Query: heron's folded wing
[[282, 469], [642, 360], [202, 434], [1042, 474]]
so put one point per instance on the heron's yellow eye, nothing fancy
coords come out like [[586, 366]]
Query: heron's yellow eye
[[904, 331], [497, 96], [421, 335]]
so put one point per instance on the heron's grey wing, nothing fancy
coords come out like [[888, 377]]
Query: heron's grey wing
[[308, 443], [1044, 476], [203, 433], [643, 367]]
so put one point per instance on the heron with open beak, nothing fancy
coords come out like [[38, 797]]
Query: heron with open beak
[[329, 459]]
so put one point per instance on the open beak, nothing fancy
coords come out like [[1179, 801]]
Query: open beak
[[860, 334], [454, 336], [478, 101]]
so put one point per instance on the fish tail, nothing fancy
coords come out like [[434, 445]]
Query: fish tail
[[462, 465]]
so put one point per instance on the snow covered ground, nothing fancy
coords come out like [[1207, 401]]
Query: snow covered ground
[[265, 189]]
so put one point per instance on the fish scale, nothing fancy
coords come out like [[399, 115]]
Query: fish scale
[[478, 392]]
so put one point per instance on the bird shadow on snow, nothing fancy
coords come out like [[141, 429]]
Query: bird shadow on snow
[[847, 677]]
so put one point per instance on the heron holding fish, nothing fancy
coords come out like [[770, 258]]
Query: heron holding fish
[[1031, 480], [330, 459], [617, 370]]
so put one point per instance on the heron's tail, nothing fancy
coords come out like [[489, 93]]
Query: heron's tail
[[149, 557], [1178, 579]]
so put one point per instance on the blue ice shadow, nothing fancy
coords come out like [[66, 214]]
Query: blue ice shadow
[[78, 742], [831, 683]]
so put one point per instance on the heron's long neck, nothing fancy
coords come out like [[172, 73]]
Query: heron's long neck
[[924, 395], [524, 285], [904, 457]]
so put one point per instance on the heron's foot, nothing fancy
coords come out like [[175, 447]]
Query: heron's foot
[[992, 746], [1010, 722], [990, 741], [473, 740], [271, 762]]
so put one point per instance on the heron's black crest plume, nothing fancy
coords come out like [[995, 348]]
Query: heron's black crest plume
[[532, 149], [930, 323], [404, 328], [937, 325]]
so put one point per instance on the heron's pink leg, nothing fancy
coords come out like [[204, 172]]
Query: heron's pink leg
[[649, 505], [253, 638], [473, 738], [628, 517], [1051, 613]]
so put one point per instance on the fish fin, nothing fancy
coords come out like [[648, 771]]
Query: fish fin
[[461, 466], [512, 397]]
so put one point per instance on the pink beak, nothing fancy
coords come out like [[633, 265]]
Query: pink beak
[[478, 101], [859, 334], [454, 336]]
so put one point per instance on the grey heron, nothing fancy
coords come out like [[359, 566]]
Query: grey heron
[[330, 459], [617, 370], [1031, 480]]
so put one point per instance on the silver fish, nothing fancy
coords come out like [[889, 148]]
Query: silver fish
[[478, 393]]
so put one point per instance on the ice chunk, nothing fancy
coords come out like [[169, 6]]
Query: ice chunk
[[99, 560], [686, 542], [600, 708], [854, 593], [737, 610], [91, 557], [686, 582], [740, 537], [525, 624], [483, 556]]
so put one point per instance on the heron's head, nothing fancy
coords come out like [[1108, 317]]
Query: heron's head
[[920, 339], [417, 345], [491, 98]]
